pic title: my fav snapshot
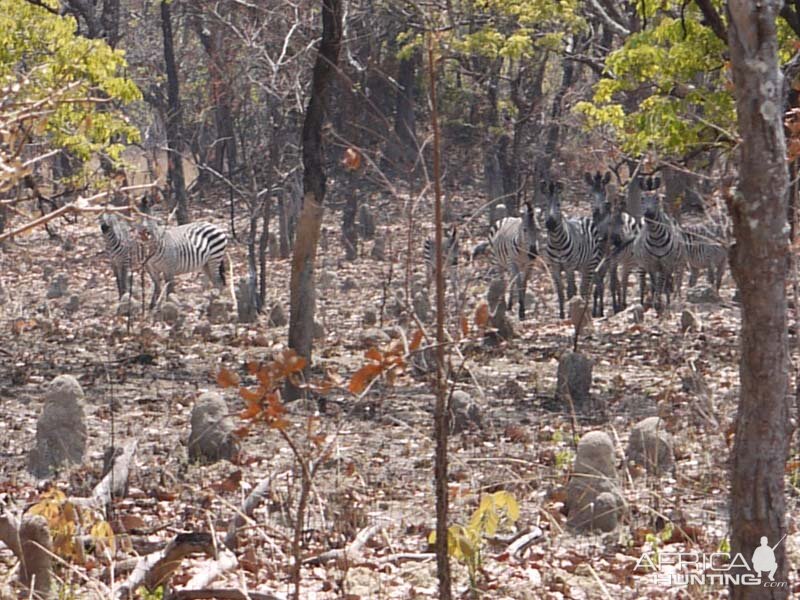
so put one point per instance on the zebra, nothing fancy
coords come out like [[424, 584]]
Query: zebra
[[514, 247], [623, 229], [170, 251], [119, 245], [571, 246], [659, 246], [450, 249], [704, 251], [601, 216]]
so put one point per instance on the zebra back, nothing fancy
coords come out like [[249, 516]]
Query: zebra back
[[181, 249], [704, 245], [450, 250]]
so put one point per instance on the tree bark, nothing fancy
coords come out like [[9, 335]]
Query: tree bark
[[404, 117], [554, 130], [759, 262], [302, 290], [175, 178]]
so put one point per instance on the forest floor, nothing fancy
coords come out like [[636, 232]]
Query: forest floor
[[380, 467]]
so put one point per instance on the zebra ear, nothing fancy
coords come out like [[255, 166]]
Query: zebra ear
[[607, 178]]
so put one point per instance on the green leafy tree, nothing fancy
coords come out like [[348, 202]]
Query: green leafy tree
[[42, 58], [668, 88]]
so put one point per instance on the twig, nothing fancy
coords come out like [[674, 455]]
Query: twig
[[352, 548]]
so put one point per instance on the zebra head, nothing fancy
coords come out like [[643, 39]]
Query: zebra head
[[529, 230], [597, 190], [147, 235], [553, 193], [651, 202], [617, 226]]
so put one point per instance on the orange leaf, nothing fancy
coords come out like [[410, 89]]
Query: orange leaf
[[226, 378], [482, 315], [352, 159], [250, 396], [253, 367], [279, 424], [416, 340], [251, 412], [362, 377], [464, 326], [374, 354]]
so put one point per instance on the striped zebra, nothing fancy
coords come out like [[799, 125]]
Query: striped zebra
[[170, 251], [514, 247], [623, 230], [571, 246], [601, 217], [117, 235], [659, 246], [705, 251], [450, 249]]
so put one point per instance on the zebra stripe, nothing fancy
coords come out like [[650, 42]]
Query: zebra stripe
[[571, 246], [171, 251], [601, 217], [623, 230], [659, 247], [117, 235], [705, 251], [514, 247], [450, 251]]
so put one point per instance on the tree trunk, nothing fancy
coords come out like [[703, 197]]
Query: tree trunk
[[302, 290], [554, 130], [404, 118], [759, 264], [175, 178], [349, 230]]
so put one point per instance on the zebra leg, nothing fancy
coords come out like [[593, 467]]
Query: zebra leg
[[694, 275], [559, 289], [156, 278], [571, 287], [121, 276], [599, 292], [521, 289], [613, 283]]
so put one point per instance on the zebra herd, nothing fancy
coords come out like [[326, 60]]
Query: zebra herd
[[610, 243], [163, 252]]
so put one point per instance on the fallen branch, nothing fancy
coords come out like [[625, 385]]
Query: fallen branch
[[252, 502], [406, 557], [220, 594], [115, 482], [210, 570], [152, 570], [352, 549], [520, 544], [81, 205]]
